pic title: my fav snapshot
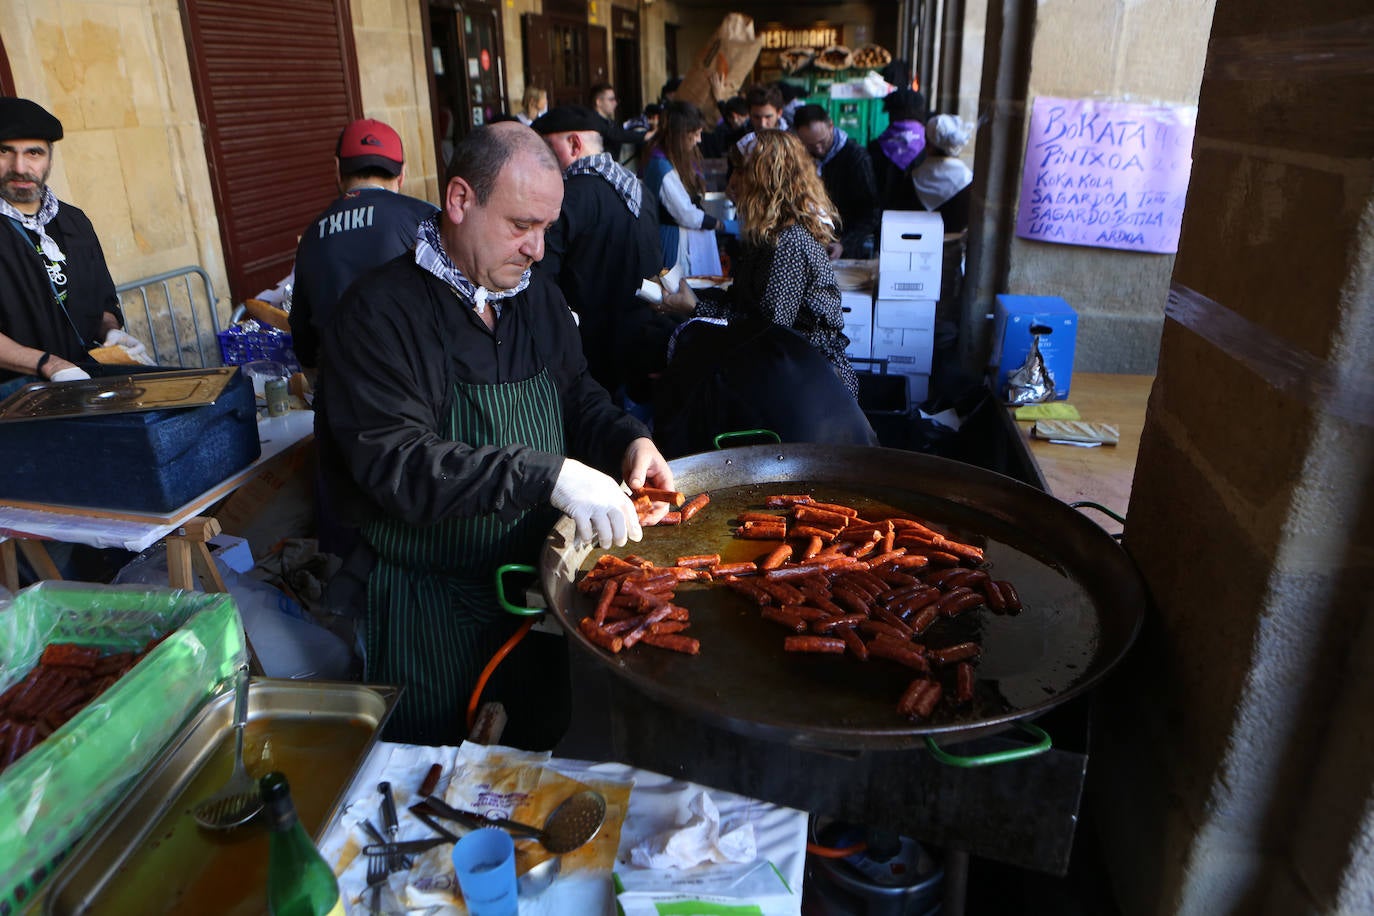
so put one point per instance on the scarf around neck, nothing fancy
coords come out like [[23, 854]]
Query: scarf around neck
[[902, 142], [431, 257], [37, 222], [837, 144], [616, 175]]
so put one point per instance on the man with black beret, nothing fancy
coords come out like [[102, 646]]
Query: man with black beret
[[600, 249], [59, 301]]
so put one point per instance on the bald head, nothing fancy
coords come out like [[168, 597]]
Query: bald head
[[478, 160], [504, 191], [572, 145]]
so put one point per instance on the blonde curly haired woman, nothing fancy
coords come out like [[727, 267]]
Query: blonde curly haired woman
[[782, 271]]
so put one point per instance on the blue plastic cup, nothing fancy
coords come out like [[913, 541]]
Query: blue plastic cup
[[484, 861]]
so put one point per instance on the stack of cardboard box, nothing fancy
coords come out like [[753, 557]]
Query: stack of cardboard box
[[910, 257]]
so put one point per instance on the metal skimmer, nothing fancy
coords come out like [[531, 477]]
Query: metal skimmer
[[238, 801]]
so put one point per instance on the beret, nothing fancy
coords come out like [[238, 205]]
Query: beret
[[566, 118], [21, 119]]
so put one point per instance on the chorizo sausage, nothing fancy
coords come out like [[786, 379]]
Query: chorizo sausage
[[958, 601], [956, 653], [963, 683], [599, 636], [920, 698], [822, 517], [829, 624], [693, 506], [658, 495], [700, 559], [673, 642], [884, 646], [603, 604], [856, 646], [786, 500], [827, 644], [785, 617], [775, 557]]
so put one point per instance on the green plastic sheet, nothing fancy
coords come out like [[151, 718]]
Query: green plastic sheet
[[58, 791]]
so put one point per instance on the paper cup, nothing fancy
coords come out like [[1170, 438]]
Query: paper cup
[[484, 862]]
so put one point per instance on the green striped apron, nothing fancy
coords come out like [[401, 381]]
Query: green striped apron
[[432, 617]]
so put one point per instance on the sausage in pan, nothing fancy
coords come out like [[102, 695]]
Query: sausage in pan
[[826, 644]]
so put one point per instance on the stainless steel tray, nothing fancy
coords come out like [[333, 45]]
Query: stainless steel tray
[[116, 394], [149, 856]]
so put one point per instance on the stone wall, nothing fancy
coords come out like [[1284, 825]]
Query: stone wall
[[1130, 51], [117, 76], [1236, 770], [390, 42]]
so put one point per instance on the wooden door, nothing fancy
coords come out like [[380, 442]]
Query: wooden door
[[6, 77], [275, 83], [538, 53], [598, 58]]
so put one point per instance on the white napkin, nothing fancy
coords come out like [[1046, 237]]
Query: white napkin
[[697, 839]]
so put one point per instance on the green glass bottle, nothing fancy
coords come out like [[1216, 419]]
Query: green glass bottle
[[299, 880]]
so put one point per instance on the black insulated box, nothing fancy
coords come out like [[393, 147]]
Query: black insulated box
[[152, 461]]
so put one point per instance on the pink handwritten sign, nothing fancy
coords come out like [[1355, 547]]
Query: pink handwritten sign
[[1106, 174]]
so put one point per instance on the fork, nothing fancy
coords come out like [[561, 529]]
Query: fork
[[376, 877]]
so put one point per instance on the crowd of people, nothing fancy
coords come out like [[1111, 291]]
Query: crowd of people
[[489, 363]]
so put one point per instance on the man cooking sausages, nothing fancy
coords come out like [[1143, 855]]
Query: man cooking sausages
[[58, 301], [458, 387]]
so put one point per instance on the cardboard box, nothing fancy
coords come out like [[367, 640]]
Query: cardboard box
[[1013, 320], [905, 313], [858, 322], [910, 255], [908, 353]]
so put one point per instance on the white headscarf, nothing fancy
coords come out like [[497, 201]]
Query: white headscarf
[[943, 174]]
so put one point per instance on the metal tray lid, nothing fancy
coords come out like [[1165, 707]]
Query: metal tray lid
[[116, 394]]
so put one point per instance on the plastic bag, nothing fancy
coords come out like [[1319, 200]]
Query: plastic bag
[[58, 790], [287, 644]]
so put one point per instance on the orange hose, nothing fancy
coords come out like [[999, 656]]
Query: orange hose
[[829, 852], [496, 659]]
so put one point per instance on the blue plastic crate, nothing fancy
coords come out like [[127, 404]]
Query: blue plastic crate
[[237, 347]]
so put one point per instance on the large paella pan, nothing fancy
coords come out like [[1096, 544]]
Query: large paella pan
[[1083, 600]]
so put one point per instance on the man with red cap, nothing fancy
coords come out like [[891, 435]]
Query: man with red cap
[[370, 223], [58, 301]]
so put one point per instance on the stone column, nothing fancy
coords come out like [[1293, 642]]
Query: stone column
[[1235, 771]]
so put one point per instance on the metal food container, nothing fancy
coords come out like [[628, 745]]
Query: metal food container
[[149, 855]]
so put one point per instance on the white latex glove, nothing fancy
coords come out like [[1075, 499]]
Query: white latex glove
[[130, 344], [603, 512], [69, 374]]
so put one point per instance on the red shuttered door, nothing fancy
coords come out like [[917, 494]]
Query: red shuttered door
[[275, 83]]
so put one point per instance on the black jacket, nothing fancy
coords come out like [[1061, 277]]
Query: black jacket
[[399, 341], [849, 181], [360, 230], [28, 313], [598, 252]]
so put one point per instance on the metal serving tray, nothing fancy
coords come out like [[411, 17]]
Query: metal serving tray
[[149, 856], [116, 394]]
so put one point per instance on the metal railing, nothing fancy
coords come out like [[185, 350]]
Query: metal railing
[[172, 317]]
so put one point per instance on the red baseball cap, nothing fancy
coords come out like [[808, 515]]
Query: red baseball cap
[[368, 144]]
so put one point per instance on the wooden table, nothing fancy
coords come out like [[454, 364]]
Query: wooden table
[[1102, 474]]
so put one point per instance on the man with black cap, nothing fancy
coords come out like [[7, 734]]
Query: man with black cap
[[370, 223], [603, 245], [58, 300]]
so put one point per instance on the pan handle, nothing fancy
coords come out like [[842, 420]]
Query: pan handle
[[506, 606], [756, 433], [1089, 504], [1042, 744]]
